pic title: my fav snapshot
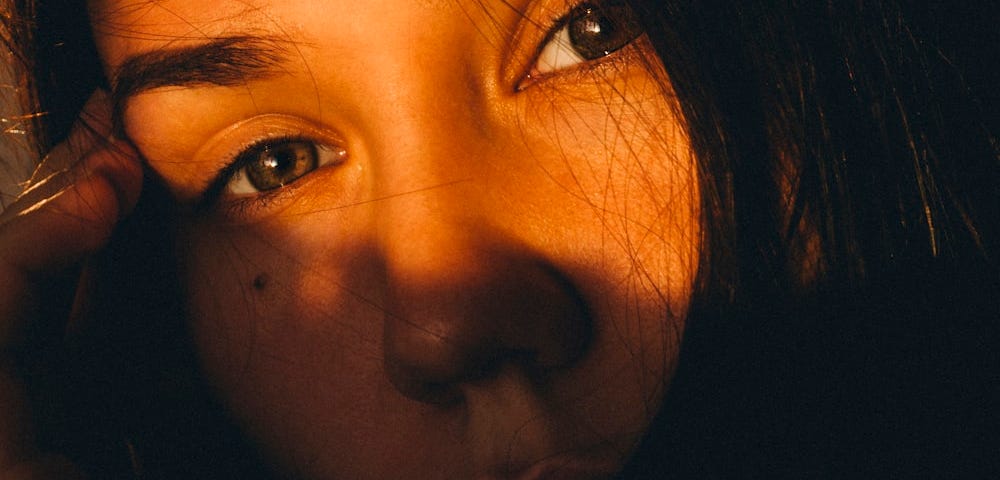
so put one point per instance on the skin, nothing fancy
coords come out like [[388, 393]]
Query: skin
[[491, 284]]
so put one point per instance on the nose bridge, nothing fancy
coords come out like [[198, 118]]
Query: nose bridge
[[465, 295], [430, 185], [430, 156], [431, 132], [429, 121]]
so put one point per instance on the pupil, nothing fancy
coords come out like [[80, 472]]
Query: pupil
[[270, 162], [282, 160], [279, 165], [596, 31], [592, 27]]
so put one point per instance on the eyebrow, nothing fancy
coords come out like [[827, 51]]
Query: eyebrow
[[224, 61]]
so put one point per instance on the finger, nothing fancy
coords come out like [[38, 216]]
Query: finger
[[71, 214], [89, 131], [78, 194], [65, 213]]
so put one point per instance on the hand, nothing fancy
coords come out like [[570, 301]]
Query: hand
[[75, 198]]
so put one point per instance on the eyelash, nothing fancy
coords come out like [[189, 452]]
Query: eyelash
[[245, 205], [240, 205], [249, 205], [559, 32]]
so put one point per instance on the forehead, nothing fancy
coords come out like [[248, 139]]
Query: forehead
[[151, 17], [126, 27]]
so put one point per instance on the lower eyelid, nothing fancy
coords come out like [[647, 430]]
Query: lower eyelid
[[249, 206], [242, 209]]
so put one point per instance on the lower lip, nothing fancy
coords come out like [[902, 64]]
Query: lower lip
[[567, 468]]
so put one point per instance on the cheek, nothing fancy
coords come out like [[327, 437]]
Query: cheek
[[623, 165], [256, 296], [289, 332], [291, 339], [617, 173], [288, 315]]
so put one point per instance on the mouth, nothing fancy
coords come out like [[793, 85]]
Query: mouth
[[563, 467]]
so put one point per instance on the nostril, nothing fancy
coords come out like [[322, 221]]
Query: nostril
[[414, 385]]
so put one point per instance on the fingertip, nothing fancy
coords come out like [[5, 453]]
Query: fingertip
[[96, 116], [91, 131], [119, 161], [82, 190], [74, 222], [113, 157]]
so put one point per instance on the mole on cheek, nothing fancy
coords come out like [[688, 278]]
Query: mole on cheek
[[260, 281]]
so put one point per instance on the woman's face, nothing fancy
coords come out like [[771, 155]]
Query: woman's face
[[435, 239]]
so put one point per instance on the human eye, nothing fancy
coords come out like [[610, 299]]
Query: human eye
[[590, 31], [275, 163], [258, 174]]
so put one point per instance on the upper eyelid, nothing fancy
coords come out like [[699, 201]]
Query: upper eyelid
[[539, 21], [625, 53], [556, 26], [223, 61], [220, 152]]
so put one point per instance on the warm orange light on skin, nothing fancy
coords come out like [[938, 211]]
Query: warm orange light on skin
[[344, 319]]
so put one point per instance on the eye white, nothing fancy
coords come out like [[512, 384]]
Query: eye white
[[239, 184], [558, 53]]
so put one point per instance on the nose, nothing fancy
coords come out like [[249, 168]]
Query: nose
[[463, 303]]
